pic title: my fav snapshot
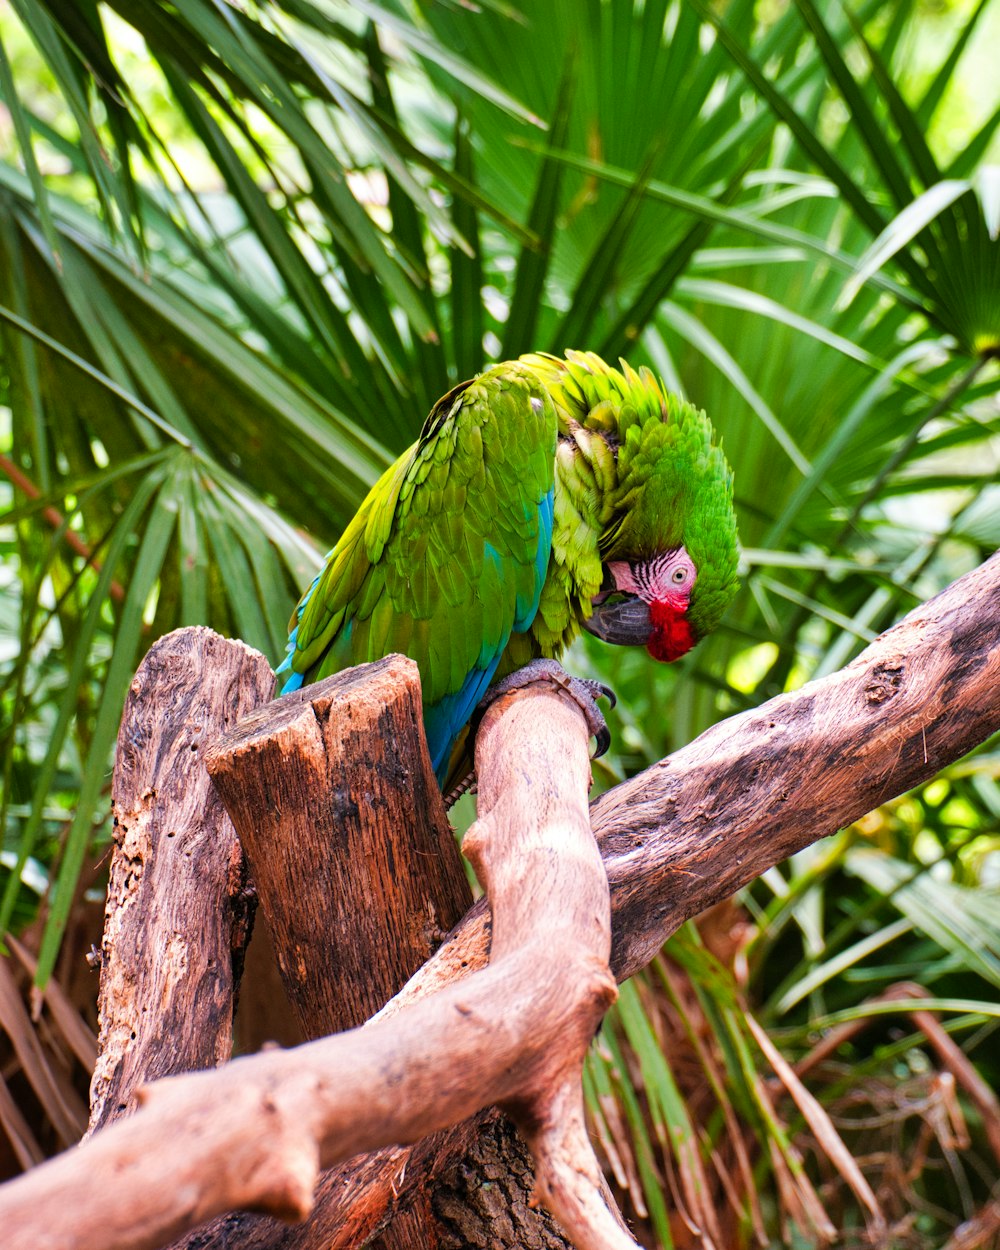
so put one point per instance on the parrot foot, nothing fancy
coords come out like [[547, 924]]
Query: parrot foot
[[582, 690]]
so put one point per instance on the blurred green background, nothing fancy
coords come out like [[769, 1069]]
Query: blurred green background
[[242, 251]]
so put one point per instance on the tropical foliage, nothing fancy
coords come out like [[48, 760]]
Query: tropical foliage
[[242, 250]]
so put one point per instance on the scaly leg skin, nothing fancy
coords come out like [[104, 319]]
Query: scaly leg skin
[[583, 691]]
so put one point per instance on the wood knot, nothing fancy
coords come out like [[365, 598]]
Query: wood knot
[[886, 680]]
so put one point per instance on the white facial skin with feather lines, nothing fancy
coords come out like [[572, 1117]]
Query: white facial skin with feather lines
[[667, 578], [654, 612]]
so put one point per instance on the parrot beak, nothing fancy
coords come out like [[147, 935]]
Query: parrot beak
[[625, 623]]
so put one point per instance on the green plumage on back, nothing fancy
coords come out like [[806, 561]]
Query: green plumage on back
[[542, 497]]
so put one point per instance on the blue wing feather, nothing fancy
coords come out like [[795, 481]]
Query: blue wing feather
[[526, 610], [295, 680], [444, 720]]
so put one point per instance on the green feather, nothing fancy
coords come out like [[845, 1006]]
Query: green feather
[[660, 479], [411, 572]]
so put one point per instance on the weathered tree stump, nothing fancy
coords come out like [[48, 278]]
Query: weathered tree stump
[[358, 893], [356, 867], [178, 913]]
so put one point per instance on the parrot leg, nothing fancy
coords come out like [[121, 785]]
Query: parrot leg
[[583, 691]]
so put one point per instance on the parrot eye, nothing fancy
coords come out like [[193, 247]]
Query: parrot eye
[[678, 576]]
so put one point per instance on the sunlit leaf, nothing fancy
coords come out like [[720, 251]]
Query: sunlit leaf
[[902, 230]]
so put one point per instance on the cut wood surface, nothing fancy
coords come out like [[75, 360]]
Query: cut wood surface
[[687, 832], [167, 968]]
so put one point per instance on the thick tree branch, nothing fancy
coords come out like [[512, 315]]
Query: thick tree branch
[[754, 789], [533, 851], [687, 832]]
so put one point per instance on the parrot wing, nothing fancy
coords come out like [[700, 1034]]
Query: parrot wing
[[446, 557]]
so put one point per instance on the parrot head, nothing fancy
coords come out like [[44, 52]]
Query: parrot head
[[667, 538], [646, 603]]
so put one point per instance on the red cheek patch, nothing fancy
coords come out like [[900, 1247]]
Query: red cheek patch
[[671, 637]]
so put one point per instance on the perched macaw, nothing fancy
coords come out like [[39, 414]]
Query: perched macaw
[[542, 497]]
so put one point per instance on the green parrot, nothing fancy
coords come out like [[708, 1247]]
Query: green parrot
[[544, 496]]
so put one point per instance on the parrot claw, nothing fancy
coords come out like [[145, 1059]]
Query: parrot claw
[[583, 691]]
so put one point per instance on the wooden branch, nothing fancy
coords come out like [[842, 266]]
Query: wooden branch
[[534, 853], [174, 846], [701, 824], [755, 789], [752, 790]]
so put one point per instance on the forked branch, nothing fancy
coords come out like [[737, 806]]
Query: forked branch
[[689, 831]]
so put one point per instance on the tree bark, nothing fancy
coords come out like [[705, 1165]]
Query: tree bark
[[755, 789], [169, 969]]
